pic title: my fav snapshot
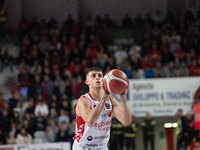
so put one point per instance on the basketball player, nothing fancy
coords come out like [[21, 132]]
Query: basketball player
[[94, 112]]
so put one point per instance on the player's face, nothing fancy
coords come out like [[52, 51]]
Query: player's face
[[94, 79]]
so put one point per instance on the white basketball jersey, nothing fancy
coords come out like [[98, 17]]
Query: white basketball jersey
[[96, 135]]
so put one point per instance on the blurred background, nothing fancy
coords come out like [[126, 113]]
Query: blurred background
[[47, 46]]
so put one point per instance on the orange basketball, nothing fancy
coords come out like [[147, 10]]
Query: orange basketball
[[115, 82]]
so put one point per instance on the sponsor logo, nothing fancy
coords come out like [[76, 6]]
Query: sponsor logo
[[89, 138], [92, 145], [101, 137], [100, 124], [109, 113], [107, 105], [146, 86], [103, 116]]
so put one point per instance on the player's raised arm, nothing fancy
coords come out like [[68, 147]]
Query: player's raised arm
[[83, 109], [121, 110], [116, 82]]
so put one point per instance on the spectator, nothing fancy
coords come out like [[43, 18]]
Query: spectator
[[65, 105], [53, 113], [47, 88], [8, 59], [28, 122], [194, 68], [72, 130], [17, 118], [130, 136], [148, 126], [168, 70], [120, 55], [2, 137], [102, 57], [77, 87], [184, 69], [35, 88], [63, 117], [175, 42], [41, 108], [180, 129], [24, 77], [36, 68], [189, 129], [3, 20], [154, 53], [13, 100], [11, 139], [158, 70], [52, 124], [13, 128], [59, 86], [23, 137], [116, 141], [128, 71], [5, 121], [54, 102], [28, 106], [135, 55], [44, 43], [49, 134], [39, 122], [3, 103], [149, 73], [63, 133]]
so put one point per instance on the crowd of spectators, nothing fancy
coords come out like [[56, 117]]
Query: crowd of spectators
[[3, 20], [54, 58]]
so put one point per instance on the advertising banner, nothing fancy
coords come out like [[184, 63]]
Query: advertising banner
[[45, 146], [162, 97]]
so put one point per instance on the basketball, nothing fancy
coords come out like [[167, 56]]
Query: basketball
[[115, 82]]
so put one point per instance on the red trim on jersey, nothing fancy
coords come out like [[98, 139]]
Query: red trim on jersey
[[111, 101], [92, 102], [91, 96], [80, 127]]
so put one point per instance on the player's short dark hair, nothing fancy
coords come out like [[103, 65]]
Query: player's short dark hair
[[94, 69]]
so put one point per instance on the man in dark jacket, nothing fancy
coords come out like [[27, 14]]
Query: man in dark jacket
[[116, 142], [130, 135], [148, 125]]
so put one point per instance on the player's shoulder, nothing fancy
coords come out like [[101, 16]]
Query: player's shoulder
[[82, 104], [83, 100]]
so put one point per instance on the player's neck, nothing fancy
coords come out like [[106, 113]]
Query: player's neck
[[96, 94]]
